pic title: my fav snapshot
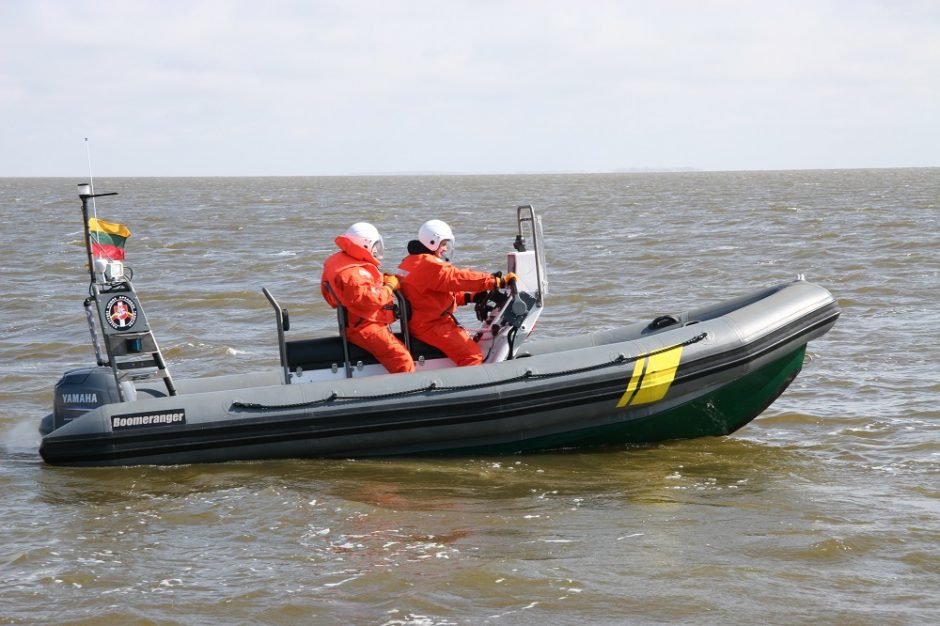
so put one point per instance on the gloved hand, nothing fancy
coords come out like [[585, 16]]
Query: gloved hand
[[391, 281], [474, 298], [503, 281], [393, 307]]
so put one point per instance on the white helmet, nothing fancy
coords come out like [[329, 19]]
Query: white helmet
[[367, 236], [433, 232]]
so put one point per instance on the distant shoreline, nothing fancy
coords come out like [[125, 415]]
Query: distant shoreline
[[677, 170]]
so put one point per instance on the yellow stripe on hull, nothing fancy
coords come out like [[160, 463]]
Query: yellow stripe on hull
[[651, 378]]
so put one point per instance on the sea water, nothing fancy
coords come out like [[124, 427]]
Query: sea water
[[824, 510]]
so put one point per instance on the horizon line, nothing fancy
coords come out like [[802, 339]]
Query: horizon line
[[446, 173]]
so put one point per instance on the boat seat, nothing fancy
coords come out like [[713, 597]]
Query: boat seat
[[324, 352], [329, 352]]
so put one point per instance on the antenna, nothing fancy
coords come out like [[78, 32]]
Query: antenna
[[91, 179], [86, 191]]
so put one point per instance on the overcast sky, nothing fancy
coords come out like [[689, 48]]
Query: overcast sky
[[480, 86]]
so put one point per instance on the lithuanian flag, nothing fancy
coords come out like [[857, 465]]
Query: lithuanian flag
[[107, 239]]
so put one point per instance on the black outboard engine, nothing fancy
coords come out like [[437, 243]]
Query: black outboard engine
[[77, 392]]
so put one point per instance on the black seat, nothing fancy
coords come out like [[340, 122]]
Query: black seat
[[324, 352]]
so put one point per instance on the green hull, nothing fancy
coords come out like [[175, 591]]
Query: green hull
[[718, 413]]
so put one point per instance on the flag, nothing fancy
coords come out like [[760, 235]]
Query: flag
[[107, 239]]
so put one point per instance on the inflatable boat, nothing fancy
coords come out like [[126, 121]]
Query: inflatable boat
[[707, 371]]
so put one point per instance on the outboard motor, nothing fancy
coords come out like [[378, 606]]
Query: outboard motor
[[77, 392]]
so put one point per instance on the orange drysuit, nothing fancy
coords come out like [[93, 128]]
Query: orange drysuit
[[434, 288], [353, 275]]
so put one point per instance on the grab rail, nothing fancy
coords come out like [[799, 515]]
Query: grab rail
[[283, 324]]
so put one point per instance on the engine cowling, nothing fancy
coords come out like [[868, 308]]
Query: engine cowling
[[77, 392]]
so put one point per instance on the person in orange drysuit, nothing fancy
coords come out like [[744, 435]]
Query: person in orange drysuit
[[368, 295], [435, 288]]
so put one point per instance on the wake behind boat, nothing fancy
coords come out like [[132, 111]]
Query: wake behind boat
[[704, 372]]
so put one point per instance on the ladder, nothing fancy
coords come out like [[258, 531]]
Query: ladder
[[132, 350]]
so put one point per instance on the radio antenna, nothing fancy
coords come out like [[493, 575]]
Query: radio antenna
[[91, 179]]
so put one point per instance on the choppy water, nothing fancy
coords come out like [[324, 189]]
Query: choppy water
[[825, 510]]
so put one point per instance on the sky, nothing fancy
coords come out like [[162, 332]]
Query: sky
[[244, 88]]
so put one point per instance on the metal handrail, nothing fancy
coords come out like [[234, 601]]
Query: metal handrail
[[280, 315]]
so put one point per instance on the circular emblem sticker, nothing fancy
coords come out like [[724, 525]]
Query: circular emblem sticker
[[121, 312]]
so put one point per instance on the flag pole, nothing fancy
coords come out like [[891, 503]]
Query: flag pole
[[85, 193]]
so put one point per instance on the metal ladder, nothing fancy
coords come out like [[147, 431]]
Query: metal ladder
[[132, 350]]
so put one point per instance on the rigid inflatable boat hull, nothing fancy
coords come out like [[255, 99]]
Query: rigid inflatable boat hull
[[708, 373]]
